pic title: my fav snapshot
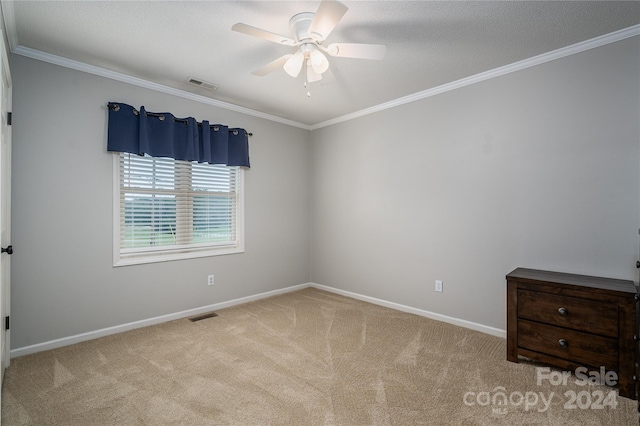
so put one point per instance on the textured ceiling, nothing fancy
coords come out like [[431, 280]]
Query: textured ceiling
[[428, 44]]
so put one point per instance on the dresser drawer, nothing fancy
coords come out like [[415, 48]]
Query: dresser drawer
[[571, 312], [582, 348]]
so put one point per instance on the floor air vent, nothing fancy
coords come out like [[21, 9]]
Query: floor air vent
[[204, 316]]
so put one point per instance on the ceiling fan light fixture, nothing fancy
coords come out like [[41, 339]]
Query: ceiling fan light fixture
[[312, 74], [318, 61], [294, 64]]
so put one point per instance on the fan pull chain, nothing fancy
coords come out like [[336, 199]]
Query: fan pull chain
[[306, 78]]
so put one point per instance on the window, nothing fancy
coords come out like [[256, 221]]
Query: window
[[167, 209]]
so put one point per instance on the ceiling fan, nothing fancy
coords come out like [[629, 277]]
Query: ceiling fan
[[308, 31]]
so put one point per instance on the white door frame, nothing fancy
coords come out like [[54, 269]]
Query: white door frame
[[5, 205]]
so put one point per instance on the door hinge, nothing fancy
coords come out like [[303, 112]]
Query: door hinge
[[9, 119], [6, 323]]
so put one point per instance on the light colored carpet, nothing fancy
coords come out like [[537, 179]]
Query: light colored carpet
[[303, 358]]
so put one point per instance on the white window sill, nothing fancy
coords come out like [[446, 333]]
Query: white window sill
[[167, 257]]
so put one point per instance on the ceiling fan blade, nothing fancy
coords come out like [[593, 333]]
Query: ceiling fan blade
[[356, 50], [271, 66], [326, 18], [263, 34]]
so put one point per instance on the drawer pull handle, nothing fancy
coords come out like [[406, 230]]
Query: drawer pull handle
[[563, 312], [563, 343]]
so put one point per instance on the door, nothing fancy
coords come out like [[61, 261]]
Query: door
[[5, 208]]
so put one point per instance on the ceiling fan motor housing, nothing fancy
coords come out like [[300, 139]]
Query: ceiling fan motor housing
[[299, 25]]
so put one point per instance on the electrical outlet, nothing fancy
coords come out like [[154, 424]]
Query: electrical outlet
[[439, 286], [210, 280]]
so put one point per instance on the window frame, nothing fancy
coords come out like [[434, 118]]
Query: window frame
[[164, 254]]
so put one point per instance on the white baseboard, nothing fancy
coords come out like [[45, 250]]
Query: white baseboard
[[428, 314], [65, 341]]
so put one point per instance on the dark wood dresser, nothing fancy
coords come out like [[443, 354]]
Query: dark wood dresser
[[571, 321]]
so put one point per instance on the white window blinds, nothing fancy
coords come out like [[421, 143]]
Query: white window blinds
[[169, 207]]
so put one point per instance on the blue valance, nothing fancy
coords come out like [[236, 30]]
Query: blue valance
[[163, 135]]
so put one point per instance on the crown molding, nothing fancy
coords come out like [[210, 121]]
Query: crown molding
[[124, 78], [497, 72]]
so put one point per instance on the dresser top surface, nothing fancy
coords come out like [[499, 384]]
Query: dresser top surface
[[535, 275]]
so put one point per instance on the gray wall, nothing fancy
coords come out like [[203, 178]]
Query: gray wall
[[538, 169], [63, 282]]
